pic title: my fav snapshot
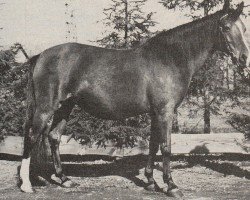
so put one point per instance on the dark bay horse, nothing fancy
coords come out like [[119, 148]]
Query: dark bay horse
[[116, 84]]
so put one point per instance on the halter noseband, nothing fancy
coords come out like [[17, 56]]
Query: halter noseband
[[227, 46]]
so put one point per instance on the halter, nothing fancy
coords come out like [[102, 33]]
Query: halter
[[227, 46], [229, 49]]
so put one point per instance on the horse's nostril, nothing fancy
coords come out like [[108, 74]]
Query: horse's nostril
[[243, 59]]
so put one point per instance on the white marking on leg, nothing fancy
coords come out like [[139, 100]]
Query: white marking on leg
[[25, 175]]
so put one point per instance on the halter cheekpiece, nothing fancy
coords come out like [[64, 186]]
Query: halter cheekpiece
[[228, 48]]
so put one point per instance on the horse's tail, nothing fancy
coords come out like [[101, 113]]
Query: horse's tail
[[40, 150], [31, 99]]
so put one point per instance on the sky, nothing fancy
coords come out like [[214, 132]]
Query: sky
[[40, 24]]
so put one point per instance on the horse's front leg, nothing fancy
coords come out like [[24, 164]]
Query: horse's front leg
[[165, 118], [153, 149]]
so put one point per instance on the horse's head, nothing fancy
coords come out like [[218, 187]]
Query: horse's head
[[232, 36]]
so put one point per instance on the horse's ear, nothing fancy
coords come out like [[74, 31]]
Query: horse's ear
[[240, 7], [226, 6], [238, 11]]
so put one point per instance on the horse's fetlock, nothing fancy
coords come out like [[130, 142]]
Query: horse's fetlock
[[165, 150], [172, 185], [148, 172], [167, 178], [60, 174]]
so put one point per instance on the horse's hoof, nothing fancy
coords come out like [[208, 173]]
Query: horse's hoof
[[70, 184], [165, 189], [176, 193], [67, 183], [27, 189], [150, 187]]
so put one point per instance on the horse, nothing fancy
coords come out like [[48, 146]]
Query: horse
[[116, 84]]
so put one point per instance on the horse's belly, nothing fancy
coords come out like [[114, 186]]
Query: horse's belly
[[114, 107]]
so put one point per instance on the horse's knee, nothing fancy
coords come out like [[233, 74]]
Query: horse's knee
[[41, 122], [31, 137], [56, 133], [155, 148], [54, 138]]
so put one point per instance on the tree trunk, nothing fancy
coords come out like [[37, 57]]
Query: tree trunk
[[207, 128], [126, 25], [175, 125], [227, 79], [235, 81], [206, 7]]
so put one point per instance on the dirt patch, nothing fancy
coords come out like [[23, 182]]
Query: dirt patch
[[125, 180]]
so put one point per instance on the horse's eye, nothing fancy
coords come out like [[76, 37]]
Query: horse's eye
[[226, 28]]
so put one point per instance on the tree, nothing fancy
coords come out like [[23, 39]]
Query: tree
[[211, 87], [6, 58], [240, 120], [197, 9], [201, 84], [12, 96], [126, 23]]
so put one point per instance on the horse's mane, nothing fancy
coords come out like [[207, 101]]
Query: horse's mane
[[174, 33]]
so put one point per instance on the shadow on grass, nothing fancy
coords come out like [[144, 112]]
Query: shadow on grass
[[225, 167], [127, 167], [130, 166], [202, 149]]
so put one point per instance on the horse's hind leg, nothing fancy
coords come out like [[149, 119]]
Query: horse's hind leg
[[58, 127], [25, 165], [33, 128], [153, 149]]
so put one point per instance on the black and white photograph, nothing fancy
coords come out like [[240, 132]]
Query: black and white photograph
[[125, 99]]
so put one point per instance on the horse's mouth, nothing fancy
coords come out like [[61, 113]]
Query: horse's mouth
[[247, 70], [243, 67], [239, 62], [242, 63], [236, 61]]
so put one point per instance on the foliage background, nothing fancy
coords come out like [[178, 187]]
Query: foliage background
[[218, 85]]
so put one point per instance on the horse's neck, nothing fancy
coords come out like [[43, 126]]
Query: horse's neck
[[200, 47], [193, 43]]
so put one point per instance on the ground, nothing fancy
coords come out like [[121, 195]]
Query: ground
[[123, 179]]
